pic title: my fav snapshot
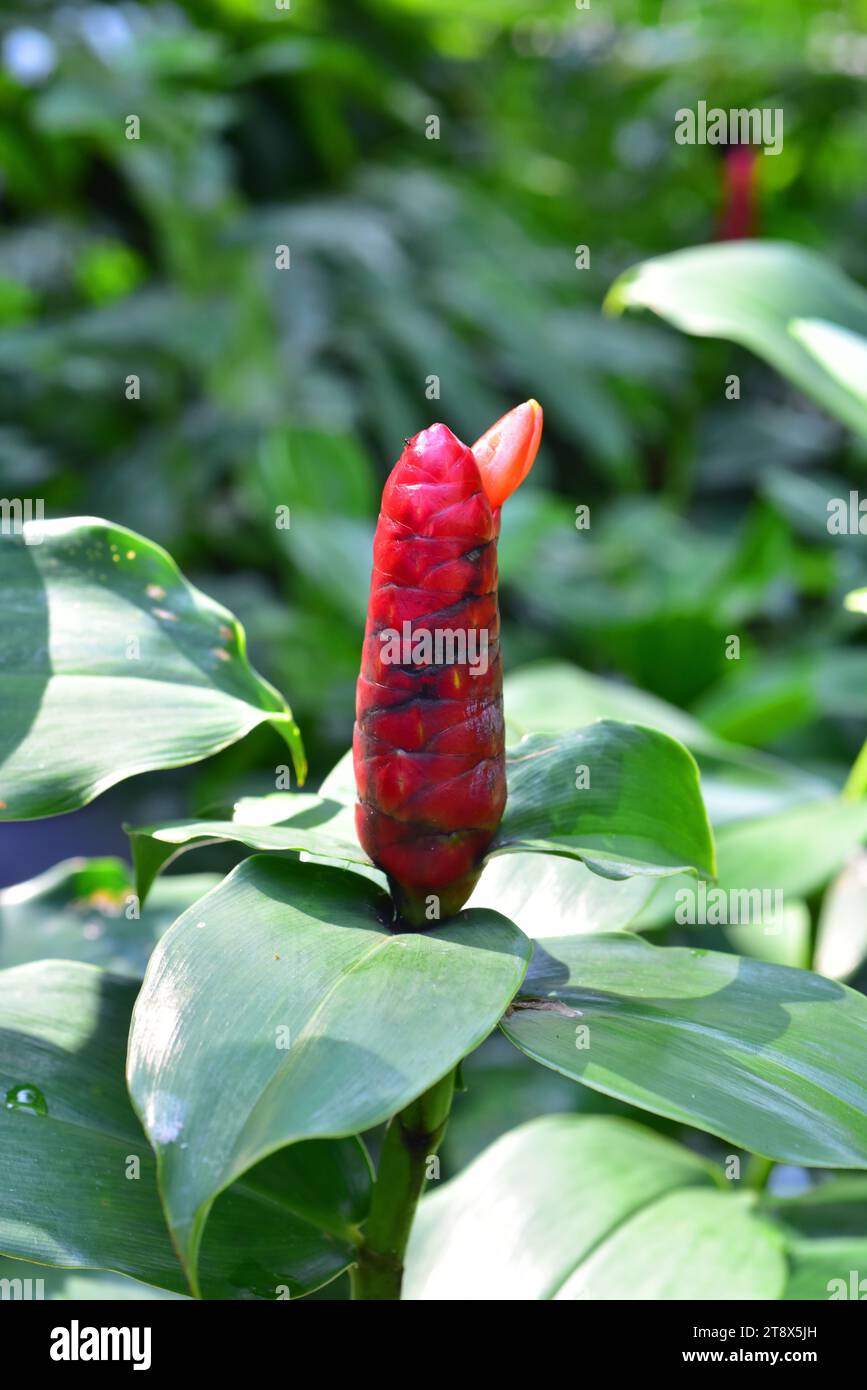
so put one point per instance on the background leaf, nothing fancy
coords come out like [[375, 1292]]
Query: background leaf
[[826, 1234], [86, 909], [784, 302]]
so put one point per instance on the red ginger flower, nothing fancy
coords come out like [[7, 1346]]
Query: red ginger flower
[[429, 745]]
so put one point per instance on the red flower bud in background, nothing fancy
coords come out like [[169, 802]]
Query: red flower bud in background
[[429, 745]]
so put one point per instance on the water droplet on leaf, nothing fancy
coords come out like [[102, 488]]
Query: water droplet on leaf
[[28, 1098]]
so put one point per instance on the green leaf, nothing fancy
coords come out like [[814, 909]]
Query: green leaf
[[64, 1028], [786, 303], [783, 938], [112, 664], [840, 352], [641, 813], [841, 939], [86, 909], [284, 1008], [826, 1237], [598, 1208], [555, 697], [74, 1285], [501, 1088], [551, 896], [281, 821], [768, 1057], [796, 850]]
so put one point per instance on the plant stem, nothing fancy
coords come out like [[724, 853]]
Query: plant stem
[[758, 1172], [412, 1137], [856, 784]]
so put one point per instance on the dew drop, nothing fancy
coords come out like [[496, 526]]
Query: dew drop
[[28, 1098]]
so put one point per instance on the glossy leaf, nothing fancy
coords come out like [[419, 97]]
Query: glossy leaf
[[642, 814], [638, 810], [768, 1057], [784, 302], [570, 1208], [69, 1134], [86, 909], [284, 1008], [547, 895], [557, 697], [282, 821], [54, 1284], [103, 637]]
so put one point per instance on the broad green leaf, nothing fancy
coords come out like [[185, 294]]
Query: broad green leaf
[[841, 939], [786, 303], [69, 1143], [281, 821], [546, 895], [86, 909], [767, 1057], [27, 1280], [840, 352], [641, 814], [826, 1238], [569, 1207], [339, 785], [112, 664], [691, 1245], [284, 1008], [557, 697], [794, 852], [623, 798]]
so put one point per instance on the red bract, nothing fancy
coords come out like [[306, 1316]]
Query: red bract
[[428, 744]]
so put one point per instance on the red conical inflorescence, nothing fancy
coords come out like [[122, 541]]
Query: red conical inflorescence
[[428, 744]]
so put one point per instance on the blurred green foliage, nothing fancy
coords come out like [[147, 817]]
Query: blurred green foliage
[[411, 257]]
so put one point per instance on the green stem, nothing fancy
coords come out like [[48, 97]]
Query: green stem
[[856, 783], [411, 1139], [758, 1171]]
